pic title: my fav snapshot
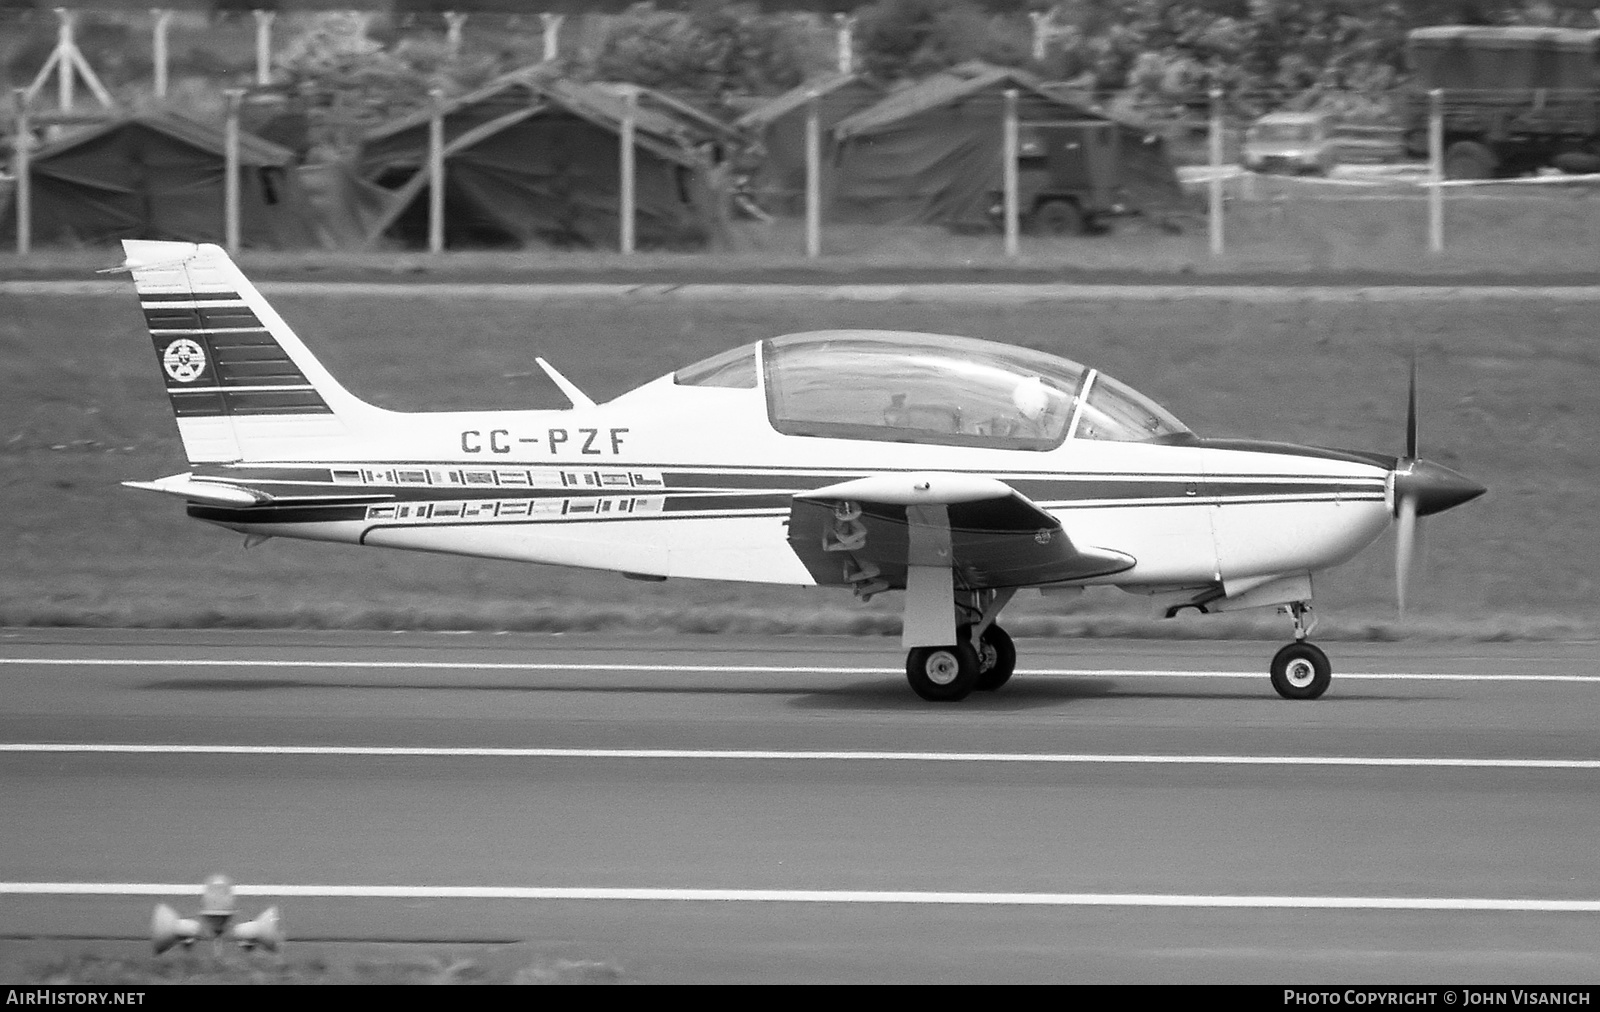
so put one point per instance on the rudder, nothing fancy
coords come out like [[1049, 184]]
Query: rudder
[[242, 385]]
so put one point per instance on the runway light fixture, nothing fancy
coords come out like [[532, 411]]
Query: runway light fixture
[[217, 909], [168, 929]]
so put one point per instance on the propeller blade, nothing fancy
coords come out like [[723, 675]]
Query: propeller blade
[[1411, 411], [1405, 543]]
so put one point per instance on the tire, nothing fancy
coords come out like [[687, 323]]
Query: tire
[[1469, 160], [1301, 671], [1577, 163], [943, 674], [997, 656], [1058, 217]]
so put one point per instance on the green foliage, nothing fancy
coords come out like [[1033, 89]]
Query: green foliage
[[348, 81], [709, 52], [900, 39]]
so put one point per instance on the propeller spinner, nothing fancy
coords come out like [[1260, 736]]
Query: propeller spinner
[[1421, 488]]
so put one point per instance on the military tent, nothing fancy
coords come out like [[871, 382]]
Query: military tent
[[778, 126], [531, 159], [701, 130], [163, 177], [932, 152]]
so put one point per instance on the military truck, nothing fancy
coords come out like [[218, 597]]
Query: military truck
[[1515, 99], [1074, 176]]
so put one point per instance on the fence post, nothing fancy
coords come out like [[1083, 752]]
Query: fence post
[[552, 35], [1008, 173], [814, 174], [158, 48], [844, 27], [21, 152], [65, 45], [453, 23], [436, 173], [264, 46], [230, 182], [1043, 28], [630, 109], [1215, 214], [1436, 171]]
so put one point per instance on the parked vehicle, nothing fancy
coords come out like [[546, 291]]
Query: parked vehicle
[[1292, 142], [1515, 99], [1073, 177]]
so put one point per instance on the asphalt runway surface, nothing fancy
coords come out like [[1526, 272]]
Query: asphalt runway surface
[[784, 809]]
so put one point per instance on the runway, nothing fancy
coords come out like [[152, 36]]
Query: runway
[[744, 809]]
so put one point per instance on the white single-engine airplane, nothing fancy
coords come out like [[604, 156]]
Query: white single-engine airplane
[[957, 470]]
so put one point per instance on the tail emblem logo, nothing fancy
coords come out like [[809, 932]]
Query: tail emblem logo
[[184, 360]]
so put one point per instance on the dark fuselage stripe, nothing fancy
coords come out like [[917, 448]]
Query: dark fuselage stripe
[[190, 297], [309, 513], [1065, 492]]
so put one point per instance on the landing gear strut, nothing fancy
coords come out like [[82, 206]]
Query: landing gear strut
[[1301, 670]]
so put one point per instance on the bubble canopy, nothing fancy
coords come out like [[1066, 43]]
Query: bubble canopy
[[934, 388]]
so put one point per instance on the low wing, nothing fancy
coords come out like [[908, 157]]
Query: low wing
[[867, 531]]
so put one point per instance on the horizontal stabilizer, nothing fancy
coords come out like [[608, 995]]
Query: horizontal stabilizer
[[187, 486], [221, 493]]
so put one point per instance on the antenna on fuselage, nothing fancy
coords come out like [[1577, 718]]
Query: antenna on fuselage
[[578, 398]]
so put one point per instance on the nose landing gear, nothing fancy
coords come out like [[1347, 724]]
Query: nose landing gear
[[1301, 670]]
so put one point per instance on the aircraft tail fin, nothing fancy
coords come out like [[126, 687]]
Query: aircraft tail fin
[[241, 383]]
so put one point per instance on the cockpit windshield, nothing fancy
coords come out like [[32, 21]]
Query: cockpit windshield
[[1113, 411], [956, 391]]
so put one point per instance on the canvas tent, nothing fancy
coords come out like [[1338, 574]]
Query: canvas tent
[[932, 152], [163, 177], [701, 130], [778, 126], [531, 159]]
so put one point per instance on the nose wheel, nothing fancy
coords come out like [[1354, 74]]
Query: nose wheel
[[1301, 670]]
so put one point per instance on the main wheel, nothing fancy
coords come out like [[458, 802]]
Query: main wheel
[[1469, 160], [997, 656], [1058, 217], [943, 674], [1301, 671]]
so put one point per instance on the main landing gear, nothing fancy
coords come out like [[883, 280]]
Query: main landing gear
[[1301, 670], [981, 662]]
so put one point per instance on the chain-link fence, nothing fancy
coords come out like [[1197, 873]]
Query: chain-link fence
[[484, 136]]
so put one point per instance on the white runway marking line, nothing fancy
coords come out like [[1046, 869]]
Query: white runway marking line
[[881, 896], [1105, 759], [748, 669]]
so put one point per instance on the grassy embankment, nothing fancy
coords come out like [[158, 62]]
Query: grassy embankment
[[129, 963], [1510, 392], [1294, 227]]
